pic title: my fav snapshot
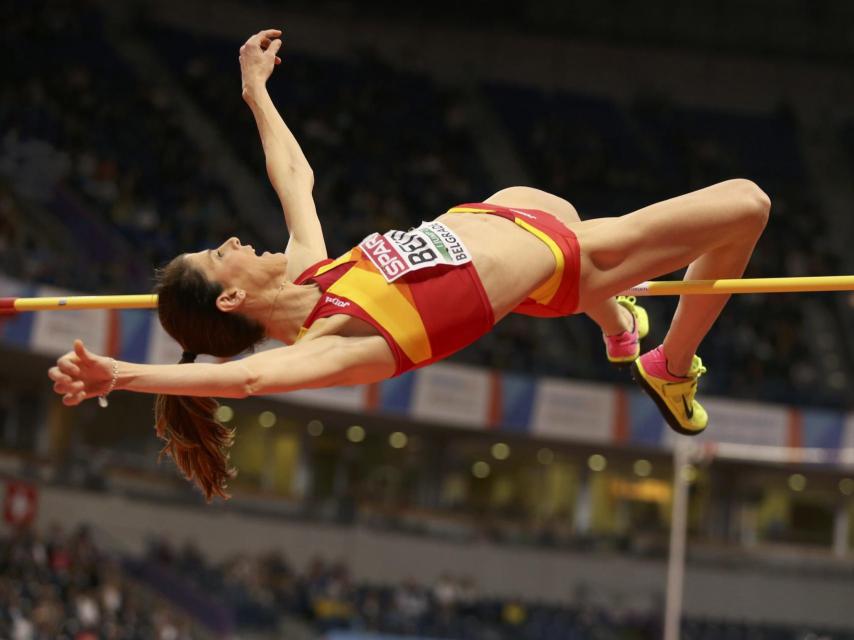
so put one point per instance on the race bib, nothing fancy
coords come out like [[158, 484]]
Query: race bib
[[396, 253]]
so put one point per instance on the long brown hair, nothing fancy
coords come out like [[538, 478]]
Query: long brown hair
[[195, 439]]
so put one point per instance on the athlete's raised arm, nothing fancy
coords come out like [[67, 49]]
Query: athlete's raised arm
[[287, 167], [325, 361]]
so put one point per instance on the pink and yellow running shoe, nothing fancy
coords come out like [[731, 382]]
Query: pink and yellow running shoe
[[673, 395], [624, 347]]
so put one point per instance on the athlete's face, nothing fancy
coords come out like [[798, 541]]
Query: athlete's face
[[237, 266]]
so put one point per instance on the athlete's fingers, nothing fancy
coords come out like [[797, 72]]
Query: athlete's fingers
[[261, 39], [69, 387], [57, 376], [67, 367], [273, 50], [267, 33], [74, 398], [81, 351]]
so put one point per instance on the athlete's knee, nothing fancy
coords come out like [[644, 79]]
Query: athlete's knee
[[754, 205]]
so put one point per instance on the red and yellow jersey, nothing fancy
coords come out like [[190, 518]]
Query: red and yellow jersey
[[424, 315], [420, 290]]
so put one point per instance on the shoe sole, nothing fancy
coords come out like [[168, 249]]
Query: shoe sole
[[622, 363], [672, 420]]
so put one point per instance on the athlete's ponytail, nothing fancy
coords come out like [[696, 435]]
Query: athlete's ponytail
[[193, 437]]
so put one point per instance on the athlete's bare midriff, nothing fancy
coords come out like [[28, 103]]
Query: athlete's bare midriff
[[510, 261]]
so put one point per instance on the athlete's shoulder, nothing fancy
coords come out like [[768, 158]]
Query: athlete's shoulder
[[323, 266], [310, 271]]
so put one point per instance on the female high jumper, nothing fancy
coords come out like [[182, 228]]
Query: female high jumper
[[405, 299]]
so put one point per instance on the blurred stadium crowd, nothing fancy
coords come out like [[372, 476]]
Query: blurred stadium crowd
[[99, 181], [260, 588], [59, 585]]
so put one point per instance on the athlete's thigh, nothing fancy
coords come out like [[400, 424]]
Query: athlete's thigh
[[531, 198], [660, 238]]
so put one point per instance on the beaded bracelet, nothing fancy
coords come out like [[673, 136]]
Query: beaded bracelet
[[102, 399]]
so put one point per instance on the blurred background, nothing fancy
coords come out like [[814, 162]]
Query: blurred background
[[524, 490]]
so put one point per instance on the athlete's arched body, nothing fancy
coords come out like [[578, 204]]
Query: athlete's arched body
[[522, 243]]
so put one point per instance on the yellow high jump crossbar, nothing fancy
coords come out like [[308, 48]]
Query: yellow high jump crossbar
[[12, 306]]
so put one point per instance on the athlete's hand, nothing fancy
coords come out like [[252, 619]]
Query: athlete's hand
[[81, 374], [258, 58]]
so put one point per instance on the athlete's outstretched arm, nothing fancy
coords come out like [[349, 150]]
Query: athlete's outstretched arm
[[326, 361], [287, 167]]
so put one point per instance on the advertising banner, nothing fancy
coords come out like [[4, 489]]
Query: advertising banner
[[574, 411], [54, 332], [455, 394]]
